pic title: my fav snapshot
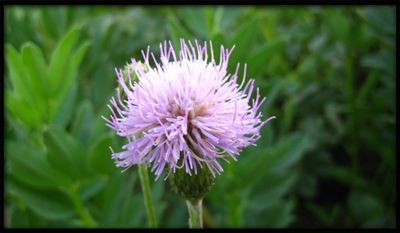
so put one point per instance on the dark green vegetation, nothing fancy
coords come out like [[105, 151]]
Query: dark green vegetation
[[327, 160]]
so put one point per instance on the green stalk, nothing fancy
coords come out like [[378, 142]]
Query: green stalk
[[144, 180], [85, 216], [352, 122], [195, 213]]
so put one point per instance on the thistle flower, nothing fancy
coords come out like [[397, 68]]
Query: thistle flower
[[185, 113]]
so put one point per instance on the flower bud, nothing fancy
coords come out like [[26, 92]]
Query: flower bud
[[192, 187]]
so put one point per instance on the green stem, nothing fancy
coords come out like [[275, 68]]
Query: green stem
[[85, 216], [195, 213], [144, 179], [352, 119]]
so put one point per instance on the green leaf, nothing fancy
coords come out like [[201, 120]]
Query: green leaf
[[384, 60], [34, 62], [103, 86], [275, 186], [22, 110], [382, 23], [99, 124], [273, 89], [258, 61], [289, 150], [355, 181], [132, 210], [25, 218], [278, 158], [60, 59], [242, 40], [66, 112], [72, 70], [118, 198], [53, 20], [90, 187], [30, 164], [19, 219], [176, 32], [229, 16], [217, 40], [322, 214], [49, 203], [100, 155], [65, 153], [19, 77], [278, 215], [195, 19], [363, 206], [79, 55], [83, 122]]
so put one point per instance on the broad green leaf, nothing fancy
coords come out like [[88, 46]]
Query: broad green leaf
[[275, 186], [19, 77], [229, 16], [37, 72], [258, 61], [272, 92], [79, 55], [65, 91], [103, 86], [89, 188], [30, 164], [65, 153], [337, 23], [180, 211], [237, 203], [19, 219], [280, 157], [382, 23], [100, 155], [33, 59], [214, 20], [278, 215], [83, 122], [364, 206], [306, 185], [322, 214], [66, 111], [22, 110], [99, 124], [53, 20], [58, 67], [132, 209], [355, 181], [242, 40], [25, 218], [195, 19], [384, 60], [49, 203], [383, 147], [72, 71], [289, 150], [117, 196], [217, 41], [176, 32]]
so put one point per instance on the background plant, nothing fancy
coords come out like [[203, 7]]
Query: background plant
[[328, 73]]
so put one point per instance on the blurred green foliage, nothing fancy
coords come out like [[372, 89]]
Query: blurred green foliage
[[327, 160]]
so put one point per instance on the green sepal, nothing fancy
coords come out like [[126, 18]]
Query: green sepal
[[192, 187]]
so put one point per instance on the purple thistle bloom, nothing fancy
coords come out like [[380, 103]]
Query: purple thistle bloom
[[185, 109]]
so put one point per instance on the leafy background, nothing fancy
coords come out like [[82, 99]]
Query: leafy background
[[327, 160]]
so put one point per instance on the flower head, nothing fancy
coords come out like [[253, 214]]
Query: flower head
[[185, 112]]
